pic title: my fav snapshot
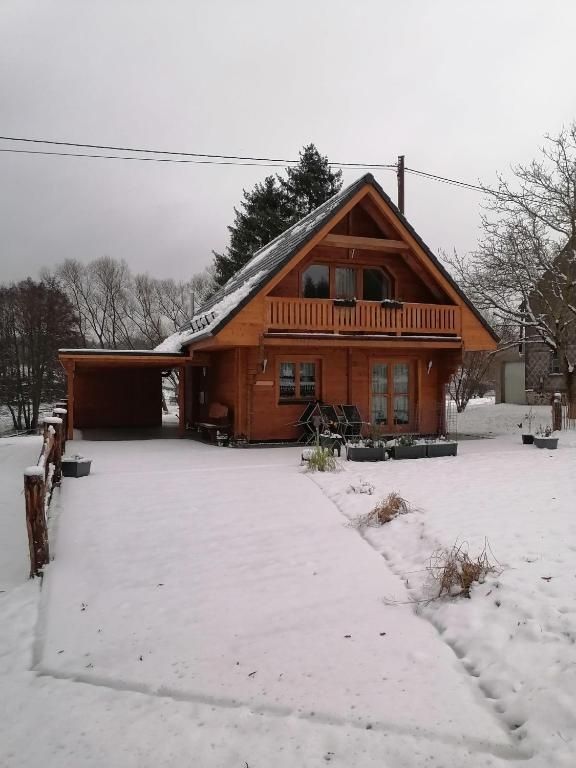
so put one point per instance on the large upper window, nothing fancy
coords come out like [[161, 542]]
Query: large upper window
[[345, 283], [316, 282], [357, 282], [375, 285]]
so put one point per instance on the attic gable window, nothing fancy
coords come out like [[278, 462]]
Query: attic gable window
[[316, 282], [345, 283], [375, 285], [324, 281]]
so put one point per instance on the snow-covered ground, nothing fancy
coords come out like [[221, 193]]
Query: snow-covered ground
[[517, 634], [483, 417], [211, 607]]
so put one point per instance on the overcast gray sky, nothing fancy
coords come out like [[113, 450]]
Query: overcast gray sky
[[463, 88]]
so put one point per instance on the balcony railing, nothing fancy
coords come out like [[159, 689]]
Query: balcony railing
[[323, 315]]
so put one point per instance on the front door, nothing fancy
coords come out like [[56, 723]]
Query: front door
[[391, 402]]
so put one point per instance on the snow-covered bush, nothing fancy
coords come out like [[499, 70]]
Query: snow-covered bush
[[362, 487]]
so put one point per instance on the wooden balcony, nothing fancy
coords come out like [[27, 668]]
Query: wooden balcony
[[322, 315]]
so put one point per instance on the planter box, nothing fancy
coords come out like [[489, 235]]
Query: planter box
[[344, 302], [410, 451], [433, 450], [546, 442], [527, 439], [76, 467], [358, 453]]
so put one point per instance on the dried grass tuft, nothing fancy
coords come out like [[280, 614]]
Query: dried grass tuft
[[386, 510], [455, 571]]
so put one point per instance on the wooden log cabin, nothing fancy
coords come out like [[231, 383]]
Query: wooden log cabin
[[348, 306]]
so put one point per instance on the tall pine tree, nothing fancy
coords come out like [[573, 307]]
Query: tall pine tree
[[310, 183], [273, 206]]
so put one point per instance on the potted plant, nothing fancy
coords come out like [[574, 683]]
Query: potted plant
[[332, 441], [545, 438], [391, 304], [406, 447], [76, 466], [366, 450], [441, 447], [527, 437]]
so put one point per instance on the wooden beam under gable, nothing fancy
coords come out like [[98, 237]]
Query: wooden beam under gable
[[364, 243]]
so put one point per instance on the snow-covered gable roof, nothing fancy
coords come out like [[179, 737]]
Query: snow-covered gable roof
[[256, 273], [270, 259]]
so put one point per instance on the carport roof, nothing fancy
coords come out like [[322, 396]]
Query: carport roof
[[128, 357]]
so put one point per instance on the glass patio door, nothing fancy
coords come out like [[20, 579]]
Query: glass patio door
[[390, 394]]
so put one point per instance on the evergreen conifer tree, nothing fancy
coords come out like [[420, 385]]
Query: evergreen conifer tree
[[262, 216], [310, 183], [274, 205]]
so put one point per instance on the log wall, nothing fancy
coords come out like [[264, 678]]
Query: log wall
[[343, 376]]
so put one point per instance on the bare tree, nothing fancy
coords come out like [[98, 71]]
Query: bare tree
[[524, 270], [118, 310], [471, 378], [35, 320]]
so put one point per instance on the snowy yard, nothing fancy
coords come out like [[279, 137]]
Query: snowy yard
[[211, 607]]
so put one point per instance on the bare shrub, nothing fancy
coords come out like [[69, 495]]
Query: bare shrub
[[322, 460], [455, 571], [386, 510]]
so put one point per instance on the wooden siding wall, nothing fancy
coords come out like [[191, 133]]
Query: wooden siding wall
[[117, 397], [344, 377], [222, 380]]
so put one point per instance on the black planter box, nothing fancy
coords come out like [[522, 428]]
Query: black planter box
[[527, 439], [391, 304], [76, 467], [344, 302], [362, 453], [434, 450], [410, 451], [546, 442]]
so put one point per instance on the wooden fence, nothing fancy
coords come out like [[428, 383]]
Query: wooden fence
[[39, 482]]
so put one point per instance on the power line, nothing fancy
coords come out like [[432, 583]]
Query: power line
[[275, 160], [141, 159], [446, 180], [201, 158]]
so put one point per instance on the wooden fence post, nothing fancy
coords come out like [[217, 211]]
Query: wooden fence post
[[35, 493], [61, 412], [53, 456]]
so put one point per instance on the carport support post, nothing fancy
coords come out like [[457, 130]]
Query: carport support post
[[70, 366], [182, 401]]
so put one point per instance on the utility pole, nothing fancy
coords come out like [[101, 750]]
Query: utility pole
[[400, 175]]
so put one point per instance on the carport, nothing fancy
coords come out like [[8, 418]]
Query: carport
[[121, 388]]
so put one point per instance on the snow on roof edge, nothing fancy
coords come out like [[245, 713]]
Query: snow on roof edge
[[206, 322]]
